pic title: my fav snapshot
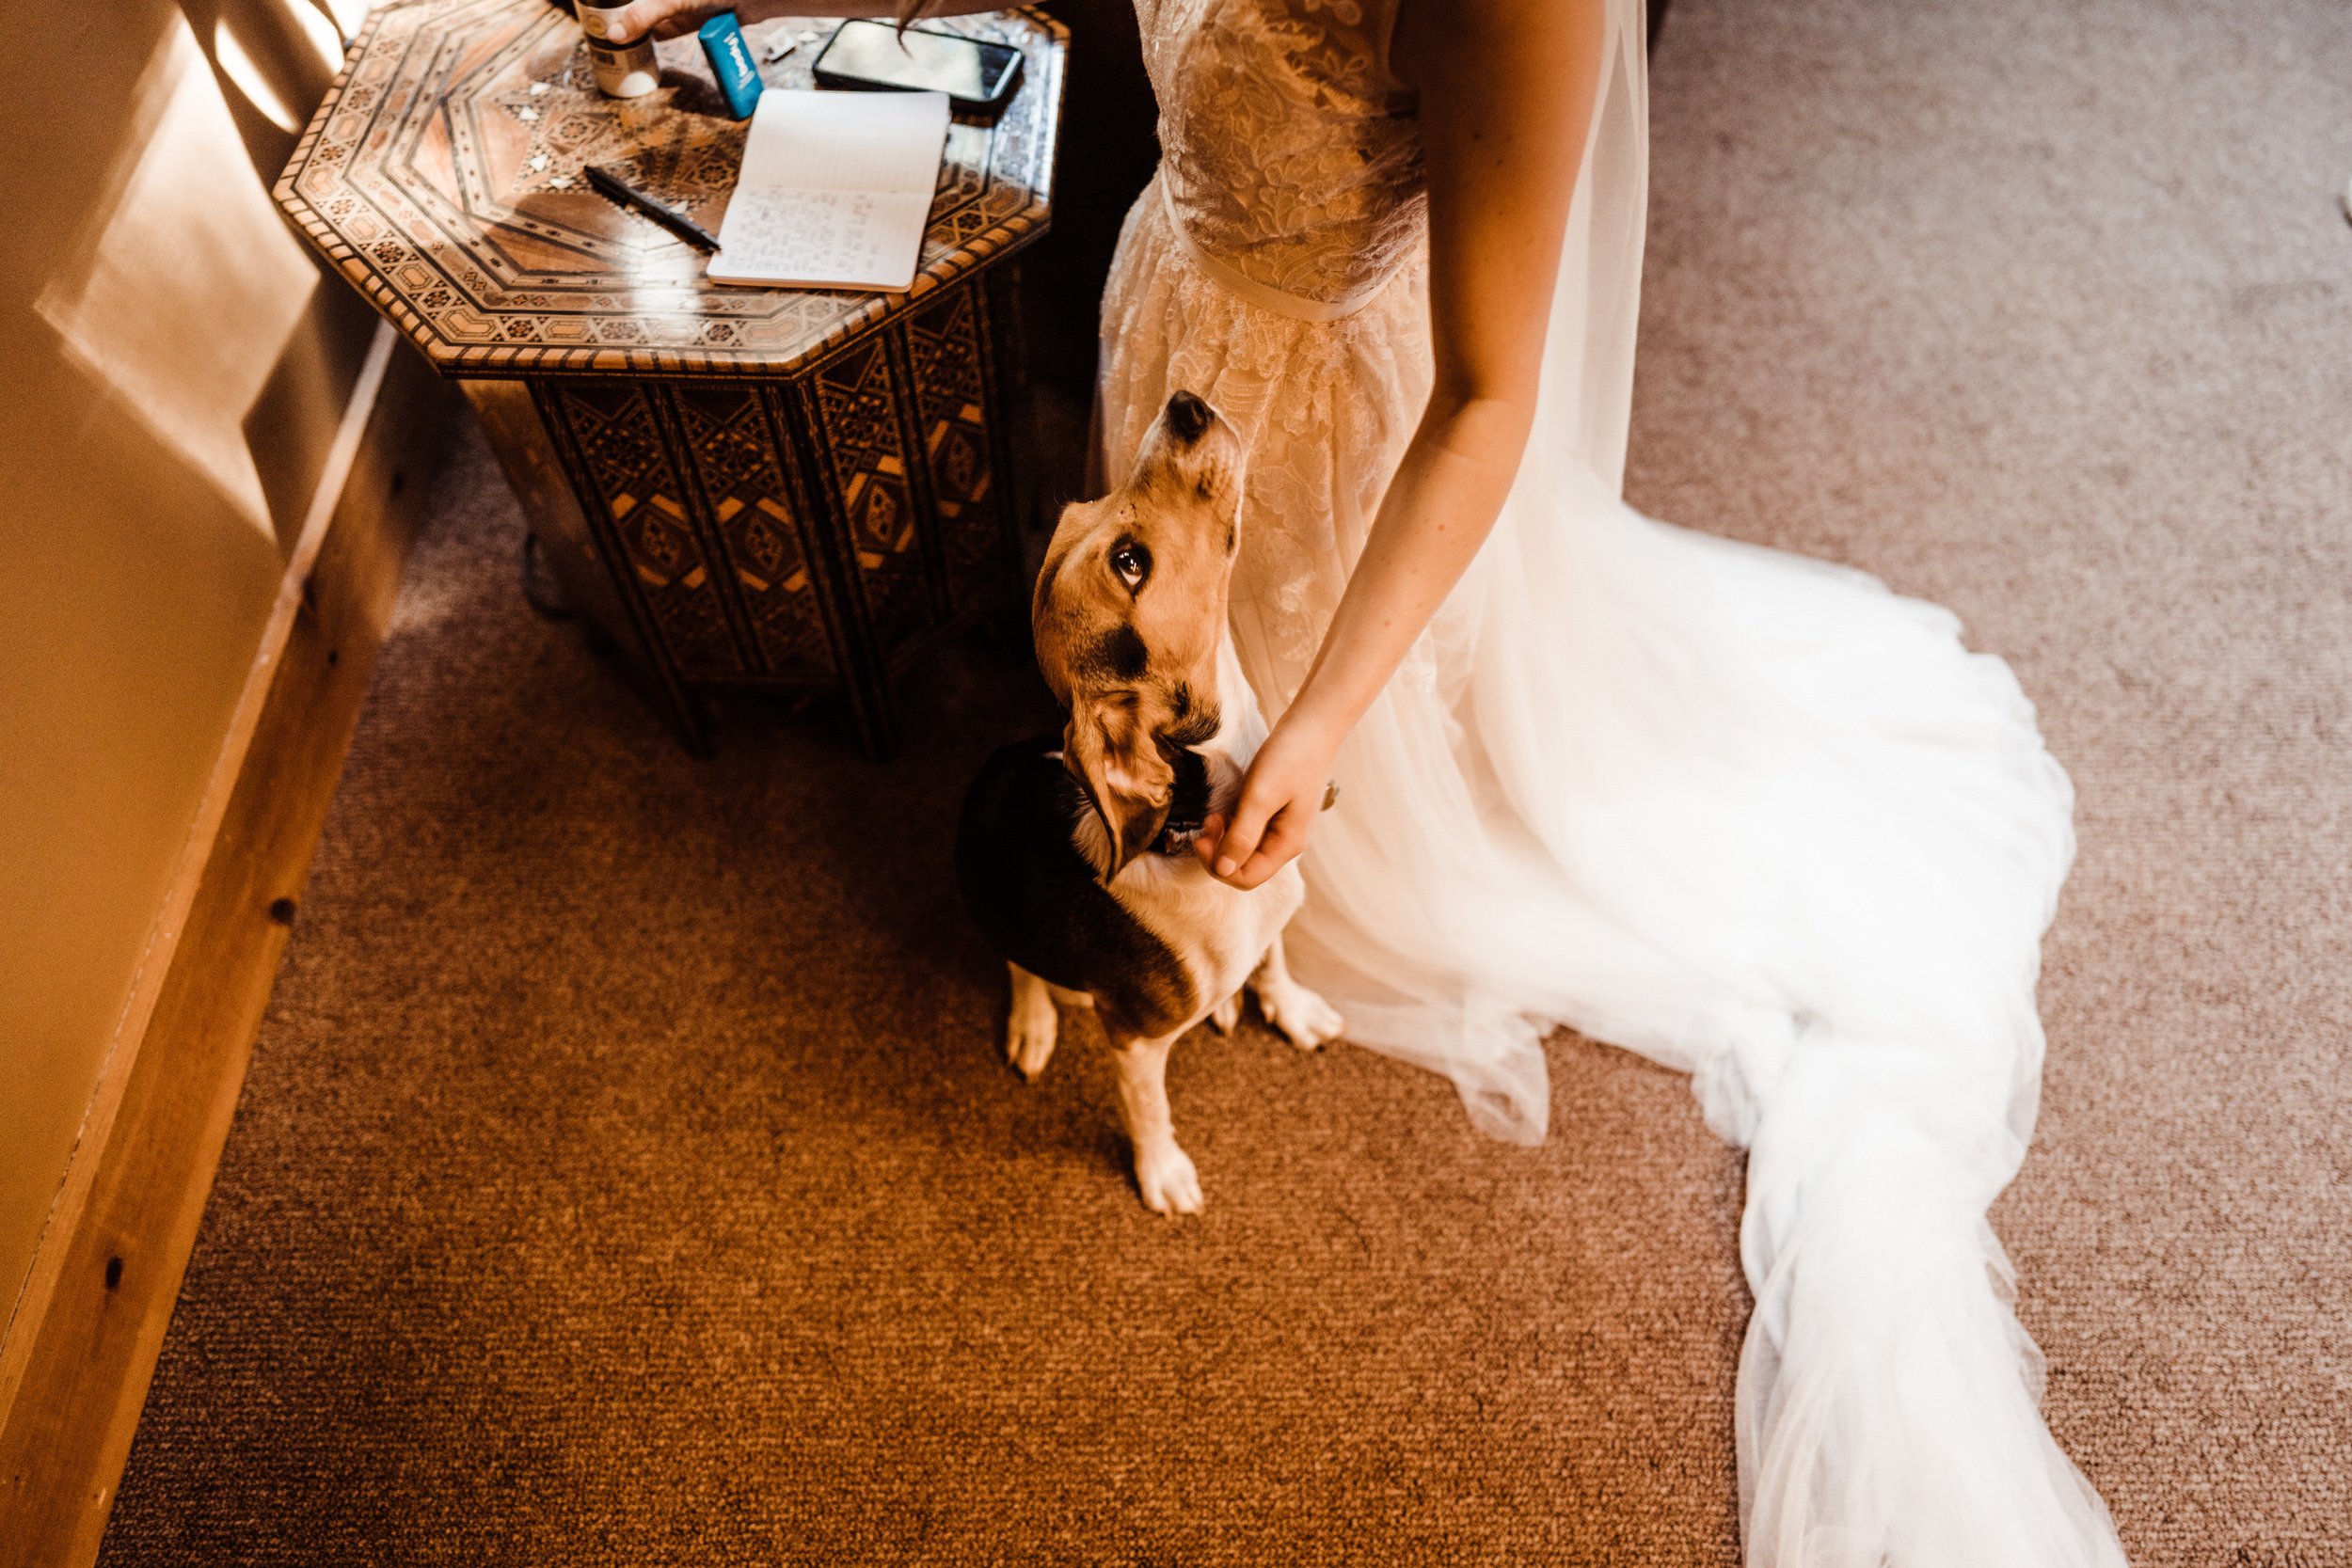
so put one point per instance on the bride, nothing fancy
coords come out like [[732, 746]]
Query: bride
[[1749, 814]]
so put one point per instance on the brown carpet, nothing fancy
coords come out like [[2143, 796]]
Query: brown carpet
[[626, 1174]]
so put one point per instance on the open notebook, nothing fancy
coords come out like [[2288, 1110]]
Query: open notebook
[[835, 190]]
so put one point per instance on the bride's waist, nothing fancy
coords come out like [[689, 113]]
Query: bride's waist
[[1328, 268]]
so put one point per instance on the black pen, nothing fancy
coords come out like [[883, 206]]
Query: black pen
[[677, 222]]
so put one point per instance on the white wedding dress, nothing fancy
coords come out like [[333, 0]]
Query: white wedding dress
[[1750, 814]]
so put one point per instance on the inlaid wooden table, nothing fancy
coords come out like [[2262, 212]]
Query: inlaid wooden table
[[746, 488]]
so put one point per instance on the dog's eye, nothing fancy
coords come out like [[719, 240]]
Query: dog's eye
[[1133, 563]]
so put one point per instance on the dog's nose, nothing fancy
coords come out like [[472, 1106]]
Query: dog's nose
[[1187, 418]]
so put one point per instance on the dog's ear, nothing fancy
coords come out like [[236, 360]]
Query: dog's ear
[[1109, 747]]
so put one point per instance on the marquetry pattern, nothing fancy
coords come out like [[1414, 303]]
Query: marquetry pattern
[[786, 487], [946, 344], [638, 491], [858, 403], [769, 550], [443, 176], [742, 560]]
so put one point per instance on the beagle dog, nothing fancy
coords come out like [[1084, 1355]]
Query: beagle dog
[[1074, 852]]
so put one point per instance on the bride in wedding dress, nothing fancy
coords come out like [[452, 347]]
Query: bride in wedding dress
[[1749, 814]]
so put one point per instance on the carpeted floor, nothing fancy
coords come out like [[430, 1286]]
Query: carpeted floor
[[627, 1176]]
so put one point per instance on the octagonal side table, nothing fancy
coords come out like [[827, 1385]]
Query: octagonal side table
[[745, 488]]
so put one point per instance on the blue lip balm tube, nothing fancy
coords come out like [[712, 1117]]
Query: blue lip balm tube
[[731, 63]]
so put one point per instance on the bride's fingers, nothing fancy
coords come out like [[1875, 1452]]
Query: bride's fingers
[[1241, 835], [1276, 849], [1211, 834]]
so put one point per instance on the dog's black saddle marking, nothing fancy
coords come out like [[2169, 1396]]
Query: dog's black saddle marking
[[1038, 901], [1189, 808]]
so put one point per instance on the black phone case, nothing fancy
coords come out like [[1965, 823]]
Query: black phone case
[[826, 77]]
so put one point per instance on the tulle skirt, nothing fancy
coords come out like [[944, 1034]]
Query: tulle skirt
[[1750, 814]]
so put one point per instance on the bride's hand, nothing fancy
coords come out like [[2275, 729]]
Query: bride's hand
[[1279, 801]]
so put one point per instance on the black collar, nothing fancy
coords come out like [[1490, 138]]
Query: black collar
[[1187, 806]]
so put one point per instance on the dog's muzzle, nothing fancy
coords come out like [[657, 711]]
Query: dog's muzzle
[[1187, 807]]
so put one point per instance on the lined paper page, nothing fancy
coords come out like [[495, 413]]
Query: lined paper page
[[835, 190]]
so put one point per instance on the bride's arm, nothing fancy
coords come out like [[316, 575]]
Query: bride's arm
[[1507, 88]]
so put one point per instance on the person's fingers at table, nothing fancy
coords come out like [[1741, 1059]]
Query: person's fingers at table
[[670, 19], [663, 18]]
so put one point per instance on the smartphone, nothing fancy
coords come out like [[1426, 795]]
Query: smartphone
[[977, 77]]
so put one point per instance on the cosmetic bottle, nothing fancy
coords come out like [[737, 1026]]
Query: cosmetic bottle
[[731, 64], [622, 69]]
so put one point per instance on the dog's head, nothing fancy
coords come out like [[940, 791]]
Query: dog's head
[[1128, 615]]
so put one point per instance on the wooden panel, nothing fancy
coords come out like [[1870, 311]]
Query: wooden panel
[[952, 411], [858, 407], [754, 512], [633, 479], [67, 1433]]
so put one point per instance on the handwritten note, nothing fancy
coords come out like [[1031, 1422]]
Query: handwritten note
[[835, 191]]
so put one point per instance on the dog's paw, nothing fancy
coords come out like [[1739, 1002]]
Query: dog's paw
[[1226, 1014], [1029, 1036], [1029, 1051], [1168, 1180], [1306, 1019]]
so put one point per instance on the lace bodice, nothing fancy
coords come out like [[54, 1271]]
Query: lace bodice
[[1290, 154]]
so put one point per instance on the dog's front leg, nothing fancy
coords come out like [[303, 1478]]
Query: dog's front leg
[[1033, 1025], [1301, 1014], [1164, 1173]]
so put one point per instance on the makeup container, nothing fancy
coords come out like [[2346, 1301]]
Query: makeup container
[[622, 69], [731, 64]]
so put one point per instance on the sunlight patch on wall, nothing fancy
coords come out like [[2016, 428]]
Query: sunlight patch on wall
[[196, 285], [326, 31], [348, 13], [240, 68]]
